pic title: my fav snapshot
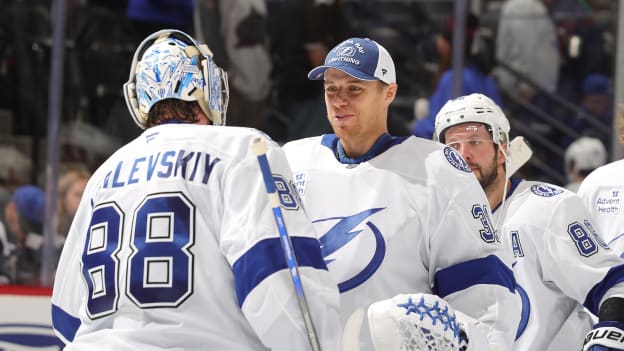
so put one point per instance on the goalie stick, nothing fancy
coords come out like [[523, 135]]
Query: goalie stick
[[258, 145], [519, 153]]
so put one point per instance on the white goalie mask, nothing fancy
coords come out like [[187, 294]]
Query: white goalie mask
[[473, 108], [170, 64]]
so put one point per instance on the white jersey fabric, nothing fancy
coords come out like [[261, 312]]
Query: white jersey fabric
[[603, 194], [408, 217], [175, 247], [560, 262]]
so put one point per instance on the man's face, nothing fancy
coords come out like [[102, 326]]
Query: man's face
[[356, 108], [11, 216], [475, 144]]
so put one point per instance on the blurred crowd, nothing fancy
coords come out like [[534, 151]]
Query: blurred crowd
[[525, 54]]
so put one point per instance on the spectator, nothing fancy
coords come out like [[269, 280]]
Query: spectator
[[238, 32], [24, 222], [597, 102], [15, 167], [70, 187], [583, 156], [303, 32], [475, 74], [586, 42], [527, 42]]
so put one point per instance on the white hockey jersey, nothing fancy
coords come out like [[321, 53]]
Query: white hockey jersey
[[560, 264], [175, 247], [603, 194], [409, 217]]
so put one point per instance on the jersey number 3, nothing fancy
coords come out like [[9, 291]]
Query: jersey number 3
[[158, 270]]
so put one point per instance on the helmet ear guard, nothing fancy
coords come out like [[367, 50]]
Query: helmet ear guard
[[179, 68]]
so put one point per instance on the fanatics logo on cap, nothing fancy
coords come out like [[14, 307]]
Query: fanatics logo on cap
[[360, 58]]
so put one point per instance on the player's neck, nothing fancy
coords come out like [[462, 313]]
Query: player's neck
[[495, 191], [357, 146]]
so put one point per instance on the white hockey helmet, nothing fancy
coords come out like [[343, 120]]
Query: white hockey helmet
[[473, 108], [170, 64], [586, 153]]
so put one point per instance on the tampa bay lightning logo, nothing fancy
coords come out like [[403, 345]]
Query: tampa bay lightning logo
[[456, 160], [545, 190], [341, 233]]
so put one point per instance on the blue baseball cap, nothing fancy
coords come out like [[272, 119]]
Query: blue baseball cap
[[360, 58], [597, 84], [30, 202]]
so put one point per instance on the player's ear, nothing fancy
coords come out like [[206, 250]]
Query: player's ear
[[502, 152], [390, 92]]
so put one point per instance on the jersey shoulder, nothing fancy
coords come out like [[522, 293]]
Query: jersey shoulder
[[417, 155], [311, 152], [609, 174], [543, 196], [222, 141]]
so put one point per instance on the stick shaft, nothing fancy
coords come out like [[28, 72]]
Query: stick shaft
[[259, 147]]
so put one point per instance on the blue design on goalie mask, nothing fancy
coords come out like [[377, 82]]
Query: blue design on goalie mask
[[170, 64]]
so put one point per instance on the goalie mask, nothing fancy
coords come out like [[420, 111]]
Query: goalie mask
[[473, 108], [169, 64]]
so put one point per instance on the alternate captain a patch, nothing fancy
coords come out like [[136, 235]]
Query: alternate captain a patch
[[545, 190], [456, 160]]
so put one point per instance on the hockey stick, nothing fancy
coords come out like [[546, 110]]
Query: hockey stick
[[258, 145], [519, 153]]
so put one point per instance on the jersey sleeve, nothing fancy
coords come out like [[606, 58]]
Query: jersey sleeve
[[471, 267], [68, 297], [251, 243], [572, 240]]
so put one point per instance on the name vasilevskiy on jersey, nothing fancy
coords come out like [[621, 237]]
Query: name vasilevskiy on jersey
[[190, 165]]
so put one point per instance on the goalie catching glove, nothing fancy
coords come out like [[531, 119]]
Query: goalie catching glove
[[422, 322]]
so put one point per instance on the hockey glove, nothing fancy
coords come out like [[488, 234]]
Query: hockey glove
[[415, 322], [606, 336]]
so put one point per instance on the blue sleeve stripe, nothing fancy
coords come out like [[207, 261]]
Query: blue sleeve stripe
[[267, 257], [486, 270], [65, 323], [614, 276]]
